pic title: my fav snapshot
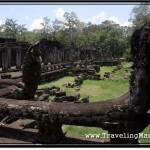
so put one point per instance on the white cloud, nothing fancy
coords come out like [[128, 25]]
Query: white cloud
[[100, 17], [126, 23], [59, 12], [36, 24], [116, 20], [121, 23], [27, 17], [1, 22]]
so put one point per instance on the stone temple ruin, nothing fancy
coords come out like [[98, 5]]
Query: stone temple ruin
[[125, 114]]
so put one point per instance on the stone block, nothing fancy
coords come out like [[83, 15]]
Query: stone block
[[6, 76], [43, 97], [60, 93]]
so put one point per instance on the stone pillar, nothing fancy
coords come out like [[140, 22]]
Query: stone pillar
[[9, 58], [55, 49], [0, 58], [63, 56], [70, 55], [46, 57], [91, 55], [59, 56], [49, 133], [5, 59], [79, 53], [57, 59], [51, 56], [18, 58]]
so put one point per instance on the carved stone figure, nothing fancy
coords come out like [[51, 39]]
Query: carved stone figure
[[32, 70], [140, 78]]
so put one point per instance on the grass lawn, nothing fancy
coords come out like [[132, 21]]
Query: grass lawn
[[100, 90]]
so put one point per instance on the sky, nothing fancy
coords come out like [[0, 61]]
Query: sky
[[32, 15]]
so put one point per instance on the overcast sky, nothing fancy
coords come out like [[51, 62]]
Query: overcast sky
[[31, 15]]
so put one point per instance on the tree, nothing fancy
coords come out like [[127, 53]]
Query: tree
[[70, 24], [56, 27], [21, 33], [140, 15], [46, 30], [10, 29]]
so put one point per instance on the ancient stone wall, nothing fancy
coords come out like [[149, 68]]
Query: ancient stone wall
[[12, 53]]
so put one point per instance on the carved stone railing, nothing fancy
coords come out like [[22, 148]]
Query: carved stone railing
[[51, 116], [110, 115]]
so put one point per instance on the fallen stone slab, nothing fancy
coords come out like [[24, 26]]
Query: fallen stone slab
[[96, 77], [43, 97], [68, 98], [60, 93], [10, 81], [5, 76], [39, 92], [8, 90]]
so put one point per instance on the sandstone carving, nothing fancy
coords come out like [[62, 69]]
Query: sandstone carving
[[31, 71]]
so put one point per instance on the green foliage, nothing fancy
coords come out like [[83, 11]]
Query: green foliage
[[108, 36], [140, 15], [10, 29], [70, 29], [127, 54], [45, 31]]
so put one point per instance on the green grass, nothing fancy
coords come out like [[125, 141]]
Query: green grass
[[60, 83], [98, 91], [81, 131], [145, 140]]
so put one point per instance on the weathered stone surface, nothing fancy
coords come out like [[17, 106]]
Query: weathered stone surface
[[96, 77], [68, 98], [60, 93], [8, 91], [31, 71], [8, 82], [43, 97], [84, 99], [39, 92], [107, 74], [5, 76], [52, 75], [86, 114], [140, 77]]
